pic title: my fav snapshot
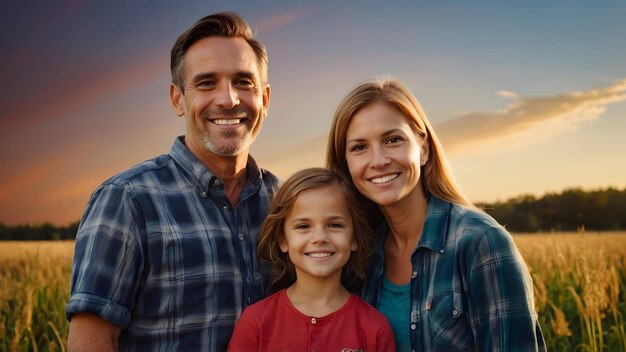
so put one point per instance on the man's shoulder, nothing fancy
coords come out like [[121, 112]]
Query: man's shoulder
[[270, 178], [138, 173]]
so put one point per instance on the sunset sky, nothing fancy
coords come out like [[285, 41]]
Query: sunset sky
[[528, 97]]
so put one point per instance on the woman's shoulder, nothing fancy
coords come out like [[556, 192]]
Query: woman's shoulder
[[474, 227]]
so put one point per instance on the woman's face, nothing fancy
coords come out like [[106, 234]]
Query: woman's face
[[384, 154]]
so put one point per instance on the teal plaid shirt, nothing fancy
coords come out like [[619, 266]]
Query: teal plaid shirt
[[161, 253], [470, 288]]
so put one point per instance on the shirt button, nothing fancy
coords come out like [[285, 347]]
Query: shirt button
[[313, 336], [204, 194], [413, 326], [313, 321], [455, 312], [216, 182], [225, 207], [441, 251], [414, 274], [240, 236]]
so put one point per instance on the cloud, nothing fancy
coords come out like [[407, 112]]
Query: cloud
[[80, 86], [527, 119], [285, 18]]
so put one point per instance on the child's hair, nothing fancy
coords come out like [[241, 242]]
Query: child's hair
[[282, 272]]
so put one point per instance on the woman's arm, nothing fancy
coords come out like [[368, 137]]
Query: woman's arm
[[500, 296]]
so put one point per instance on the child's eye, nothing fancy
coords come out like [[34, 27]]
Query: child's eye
[[301, 226], [336, 225]]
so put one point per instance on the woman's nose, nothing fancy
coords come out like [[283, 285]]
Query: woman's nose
[[379, 158]]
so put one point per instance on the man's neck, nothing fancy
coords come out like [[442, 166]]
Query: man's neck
[[230, 169]]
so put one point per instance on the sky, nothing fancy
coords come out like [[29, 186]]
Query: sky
[[528, 97]]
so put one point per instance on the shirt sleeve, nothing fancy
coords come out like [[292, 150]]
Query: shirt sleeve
[[500, 294], [108, 263], [386, 342], [246, 336]]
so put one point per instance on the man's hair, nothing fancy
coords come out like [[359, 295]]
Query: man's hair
[[223, 24], [282, 272]]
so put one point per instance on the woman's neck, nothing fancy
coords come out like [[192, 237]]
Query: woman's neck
[[406, 218]]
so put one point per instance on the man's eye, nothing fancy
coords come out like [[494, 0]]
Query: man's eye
[[206, 84]]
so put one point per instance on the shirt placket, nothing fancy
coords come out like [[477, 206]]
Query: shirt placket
[[314, 336]]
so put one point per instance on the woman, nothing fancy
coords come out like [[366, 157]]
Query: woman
[[446, 275]]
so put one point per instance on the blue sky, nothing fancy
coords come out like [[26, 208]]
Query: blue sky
[[528, 97]]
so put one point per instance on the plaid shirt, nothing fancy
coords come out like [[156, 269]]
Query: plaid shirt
[[470, 288], [161, 253]]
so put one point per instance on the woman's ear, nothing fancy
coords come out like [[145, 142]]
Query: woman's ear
[[425, 150]]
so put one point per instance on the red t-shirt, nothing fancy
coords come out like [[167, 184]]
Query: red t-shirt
[[274, 324]]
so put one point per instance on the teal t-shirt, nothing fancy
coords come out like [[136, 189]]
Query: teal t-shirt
[[395, 304]]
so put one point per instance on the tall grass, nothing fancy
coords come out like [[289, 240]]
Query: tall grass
[[579, 281], [580, 285], [34, 288]]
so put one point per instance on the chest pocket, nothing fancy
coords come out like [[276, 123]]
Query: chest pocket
[[448, 326]]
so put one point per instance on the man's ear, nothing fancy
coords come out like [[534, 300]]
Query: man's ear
[[177, 100], [266, 97]]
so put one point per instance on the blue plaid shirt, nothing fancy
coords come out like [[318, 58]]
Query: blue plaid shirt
[[161, 253], [470, 288]]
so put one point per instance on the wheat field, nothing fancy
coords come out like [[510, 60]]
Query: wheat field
[[579, 281]]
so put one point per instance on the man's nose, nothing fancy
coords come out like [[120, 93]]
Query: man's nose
[[227, 97]]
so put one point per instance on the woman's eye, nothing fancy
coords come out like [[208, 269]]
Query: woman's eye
[[357, 147], [392, 140]]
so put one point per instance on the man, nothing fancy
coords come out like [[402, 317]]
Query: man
[[165, 255]]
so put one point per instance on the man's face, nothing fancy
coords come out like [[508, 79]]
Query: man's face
[[224, 101]]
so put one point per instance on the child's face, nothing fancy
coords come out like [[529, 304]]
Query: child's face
[[319, 234]]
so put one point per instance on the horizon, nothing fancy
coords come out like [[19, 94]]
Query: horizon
[[527, 98]]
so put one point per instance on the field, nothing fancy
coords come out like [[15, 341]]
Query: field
[[580, 284]]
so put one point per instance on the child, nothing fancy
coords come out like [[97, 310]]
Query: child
[[317, 244]]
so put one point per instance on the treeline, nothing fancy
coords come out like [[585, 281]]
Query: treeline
[[571, 210], [38, 232]]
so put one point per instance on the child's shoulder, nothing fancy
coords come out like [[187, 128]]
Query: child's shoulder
[[366, 311], [269, 302]]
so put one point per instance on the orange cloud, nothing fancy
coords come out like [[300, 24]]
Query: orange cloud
[[530, 118], [82, 87], [285, 18]]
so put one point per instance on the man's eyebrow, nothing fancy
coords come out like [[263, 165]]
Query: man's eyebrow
[[246, 74], [202, 76]]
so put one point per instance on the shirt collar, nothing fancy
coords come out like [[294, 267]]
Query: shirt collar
[[436, 227], [203, 178], [435, 231]]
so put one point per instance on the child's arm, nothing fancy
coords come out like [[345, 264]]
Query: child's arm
[[246, 334]]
